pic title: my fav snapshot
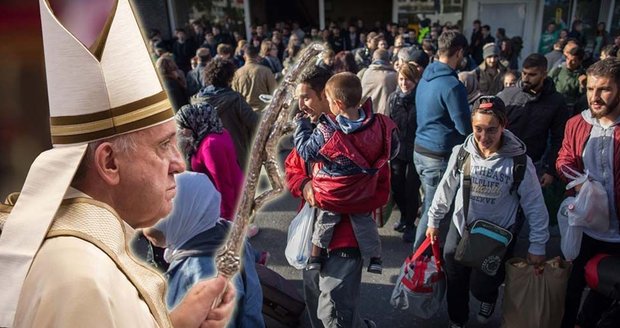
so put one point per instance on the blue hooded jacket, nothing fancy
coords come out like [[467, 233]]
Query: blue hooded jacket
[[443, 114]]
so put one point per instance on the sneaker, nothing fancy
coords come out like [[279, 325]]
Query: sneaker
[[400, 226], [252, 230], [375, 265], [314, 263], [370, 324], [455, 325], [486, 311]]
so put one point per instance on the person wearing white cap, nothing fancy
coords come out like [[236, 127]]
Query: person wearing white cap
[[64, 258]]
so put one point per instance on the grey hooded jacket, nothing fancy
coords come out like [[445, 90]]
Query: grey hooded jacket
[[490, 197]]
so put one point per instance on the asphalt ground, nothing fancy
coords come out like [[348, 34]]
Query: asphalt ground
[[376, 290]]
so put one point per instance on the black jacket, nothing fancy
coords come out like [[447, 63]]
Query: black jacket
[[403, 113], [537, 118]]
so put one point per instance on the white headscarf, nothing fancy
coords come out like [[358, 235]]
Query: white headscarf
[[196, 208]]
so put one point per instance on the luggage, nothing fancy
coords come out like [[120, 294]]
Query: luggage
[[421, 285], [281, 300]]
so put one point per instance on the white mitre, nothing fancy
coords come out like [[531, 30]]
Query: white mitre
[[92, 95]]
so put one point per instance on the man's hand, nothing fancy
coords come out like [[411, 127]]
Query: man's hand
[[537, 261], [433, 233], [220, 315], [546, 180], [308, 194], [195, 310]]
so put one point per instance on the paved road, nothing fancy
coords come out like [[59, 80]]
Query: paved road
[[376, 289]]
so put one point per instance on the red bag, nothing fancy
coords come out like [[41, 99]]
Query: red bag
[[421, 282]]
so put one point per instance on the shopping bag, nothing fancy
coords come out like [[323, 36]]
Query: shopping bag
[[299, 240], [590, 208], [421, 284], [570, 236], [534, 300]]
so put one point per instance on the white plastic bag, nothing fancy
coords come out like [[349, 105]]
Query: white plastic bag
[[299, 241], [590, 208], [570, 235]]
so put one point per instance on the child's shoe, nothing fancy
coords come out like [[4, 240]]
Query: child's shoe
[[314, 263], [375, 265]]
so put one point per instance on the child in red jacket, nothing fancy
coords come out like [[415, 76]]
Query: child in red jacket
[[347, 151]]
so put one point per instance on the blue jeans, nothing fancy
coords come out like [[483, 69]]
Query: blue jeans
[[431, 171]]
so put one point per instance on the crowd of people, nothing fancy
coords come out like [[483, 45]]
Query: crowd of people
[[453, 130], [447, 97]]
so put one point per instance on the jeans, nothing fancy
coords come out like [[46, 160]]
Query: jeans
[[431, 171]]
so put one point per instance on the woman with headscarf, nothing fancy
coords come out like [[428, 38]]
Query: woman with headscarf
[[192, 234], [209, 149]]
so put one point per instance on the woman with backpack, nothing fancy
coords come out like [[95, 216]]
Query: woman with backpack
[[489, 178]]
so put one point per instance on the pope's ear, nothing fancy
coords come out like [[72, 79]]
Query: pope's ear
[[105, 163]]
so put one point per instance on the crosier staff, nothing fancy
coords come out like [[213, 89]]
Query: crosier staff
[[273, 126]]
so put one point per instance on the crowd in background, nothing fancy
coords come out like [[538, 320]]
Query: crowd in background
[[432, 82]]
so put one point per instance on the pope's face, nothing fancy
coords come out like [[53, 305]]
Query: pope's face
[[147, 185]]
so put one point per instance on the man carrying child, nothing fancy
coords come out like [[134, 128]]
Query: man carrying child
[[350, 148], [332, 293]]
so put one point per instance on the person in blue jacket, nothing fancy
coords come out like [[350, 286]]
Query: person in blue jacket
[[443, 118]]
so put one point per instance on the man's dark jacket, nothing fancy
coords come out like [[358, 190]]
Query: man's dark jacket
[[537, 119]]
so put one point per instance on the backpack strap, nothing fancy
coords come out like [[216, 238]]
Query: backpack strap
[[518, 171], [463, 161]]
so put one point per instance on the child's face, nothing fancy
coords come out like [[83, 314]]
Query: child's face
[[510, 81]]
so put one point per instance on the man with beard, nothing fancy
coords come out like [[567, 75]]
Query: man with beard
[[591, 144], [536, 113], [490, 73]]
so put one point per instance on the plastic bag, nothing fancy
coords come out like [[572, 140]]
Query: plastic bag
[[590, 208], [299, 241], [570, 235], [421, 284]]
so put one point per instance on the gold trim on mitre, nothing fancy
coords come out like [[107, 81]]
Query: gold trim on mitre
[[91, 96], [129, 117], [108, 89]]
